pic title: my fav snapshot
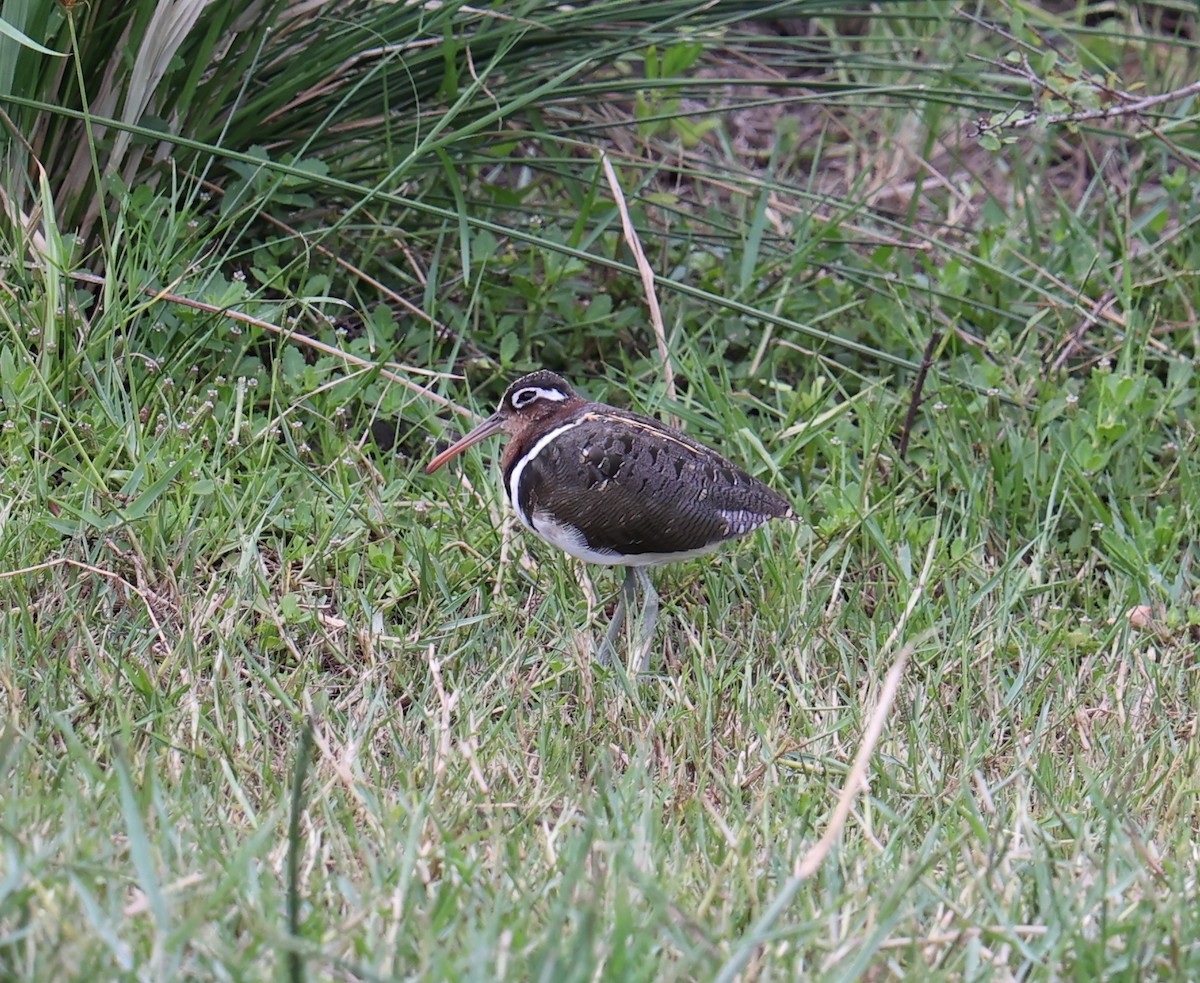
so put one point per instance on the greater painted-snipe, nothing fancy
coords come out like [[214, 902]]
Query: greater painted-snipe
[[616, 488]]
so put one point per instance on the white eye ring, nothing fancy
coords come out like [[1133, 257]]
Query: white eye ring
[[531, 394]]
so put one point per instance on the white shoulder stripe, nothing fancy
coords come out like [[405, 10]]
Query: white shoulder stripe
[[514, 478]]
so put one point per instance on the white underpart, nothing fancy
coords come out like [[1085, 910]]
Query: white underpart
[[570, 540]]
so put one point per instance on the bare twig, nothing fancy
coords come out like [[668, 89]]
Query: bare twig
[[914, 404], [1085, 115], [993, 28], [100, 572], [1093, 317], [443, 330], [301, 339], [1121, 103]]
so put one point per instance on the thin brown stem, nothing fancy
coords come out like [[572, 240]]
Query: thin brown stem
[[914, 404]]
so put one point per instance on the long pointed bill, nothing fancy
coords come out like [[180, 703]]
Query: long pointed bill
[[493, 424]]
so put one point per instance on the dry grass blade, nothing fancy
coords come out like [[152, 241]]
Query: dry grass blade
[[639, 255], [810, 862], [807, 865], [145, 596]]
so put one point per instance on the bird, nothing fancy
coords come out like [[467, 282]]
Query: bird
[[613, 487]]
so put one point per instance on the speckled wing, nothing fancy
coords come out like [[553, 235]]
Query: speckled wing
[[634, 487]]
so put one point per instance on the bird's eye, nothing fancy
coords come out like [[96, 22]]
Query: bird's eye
[[531, 394]]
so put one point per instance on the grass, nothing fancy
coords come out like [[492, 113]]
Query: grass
[[278, 705]]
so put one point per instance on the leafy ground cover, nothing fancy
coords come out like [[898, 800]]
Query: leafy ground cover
[[278, 705]]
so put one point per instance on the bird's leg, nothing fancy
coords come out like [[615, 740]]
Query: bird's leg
[[608, 650], [648, 619]]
